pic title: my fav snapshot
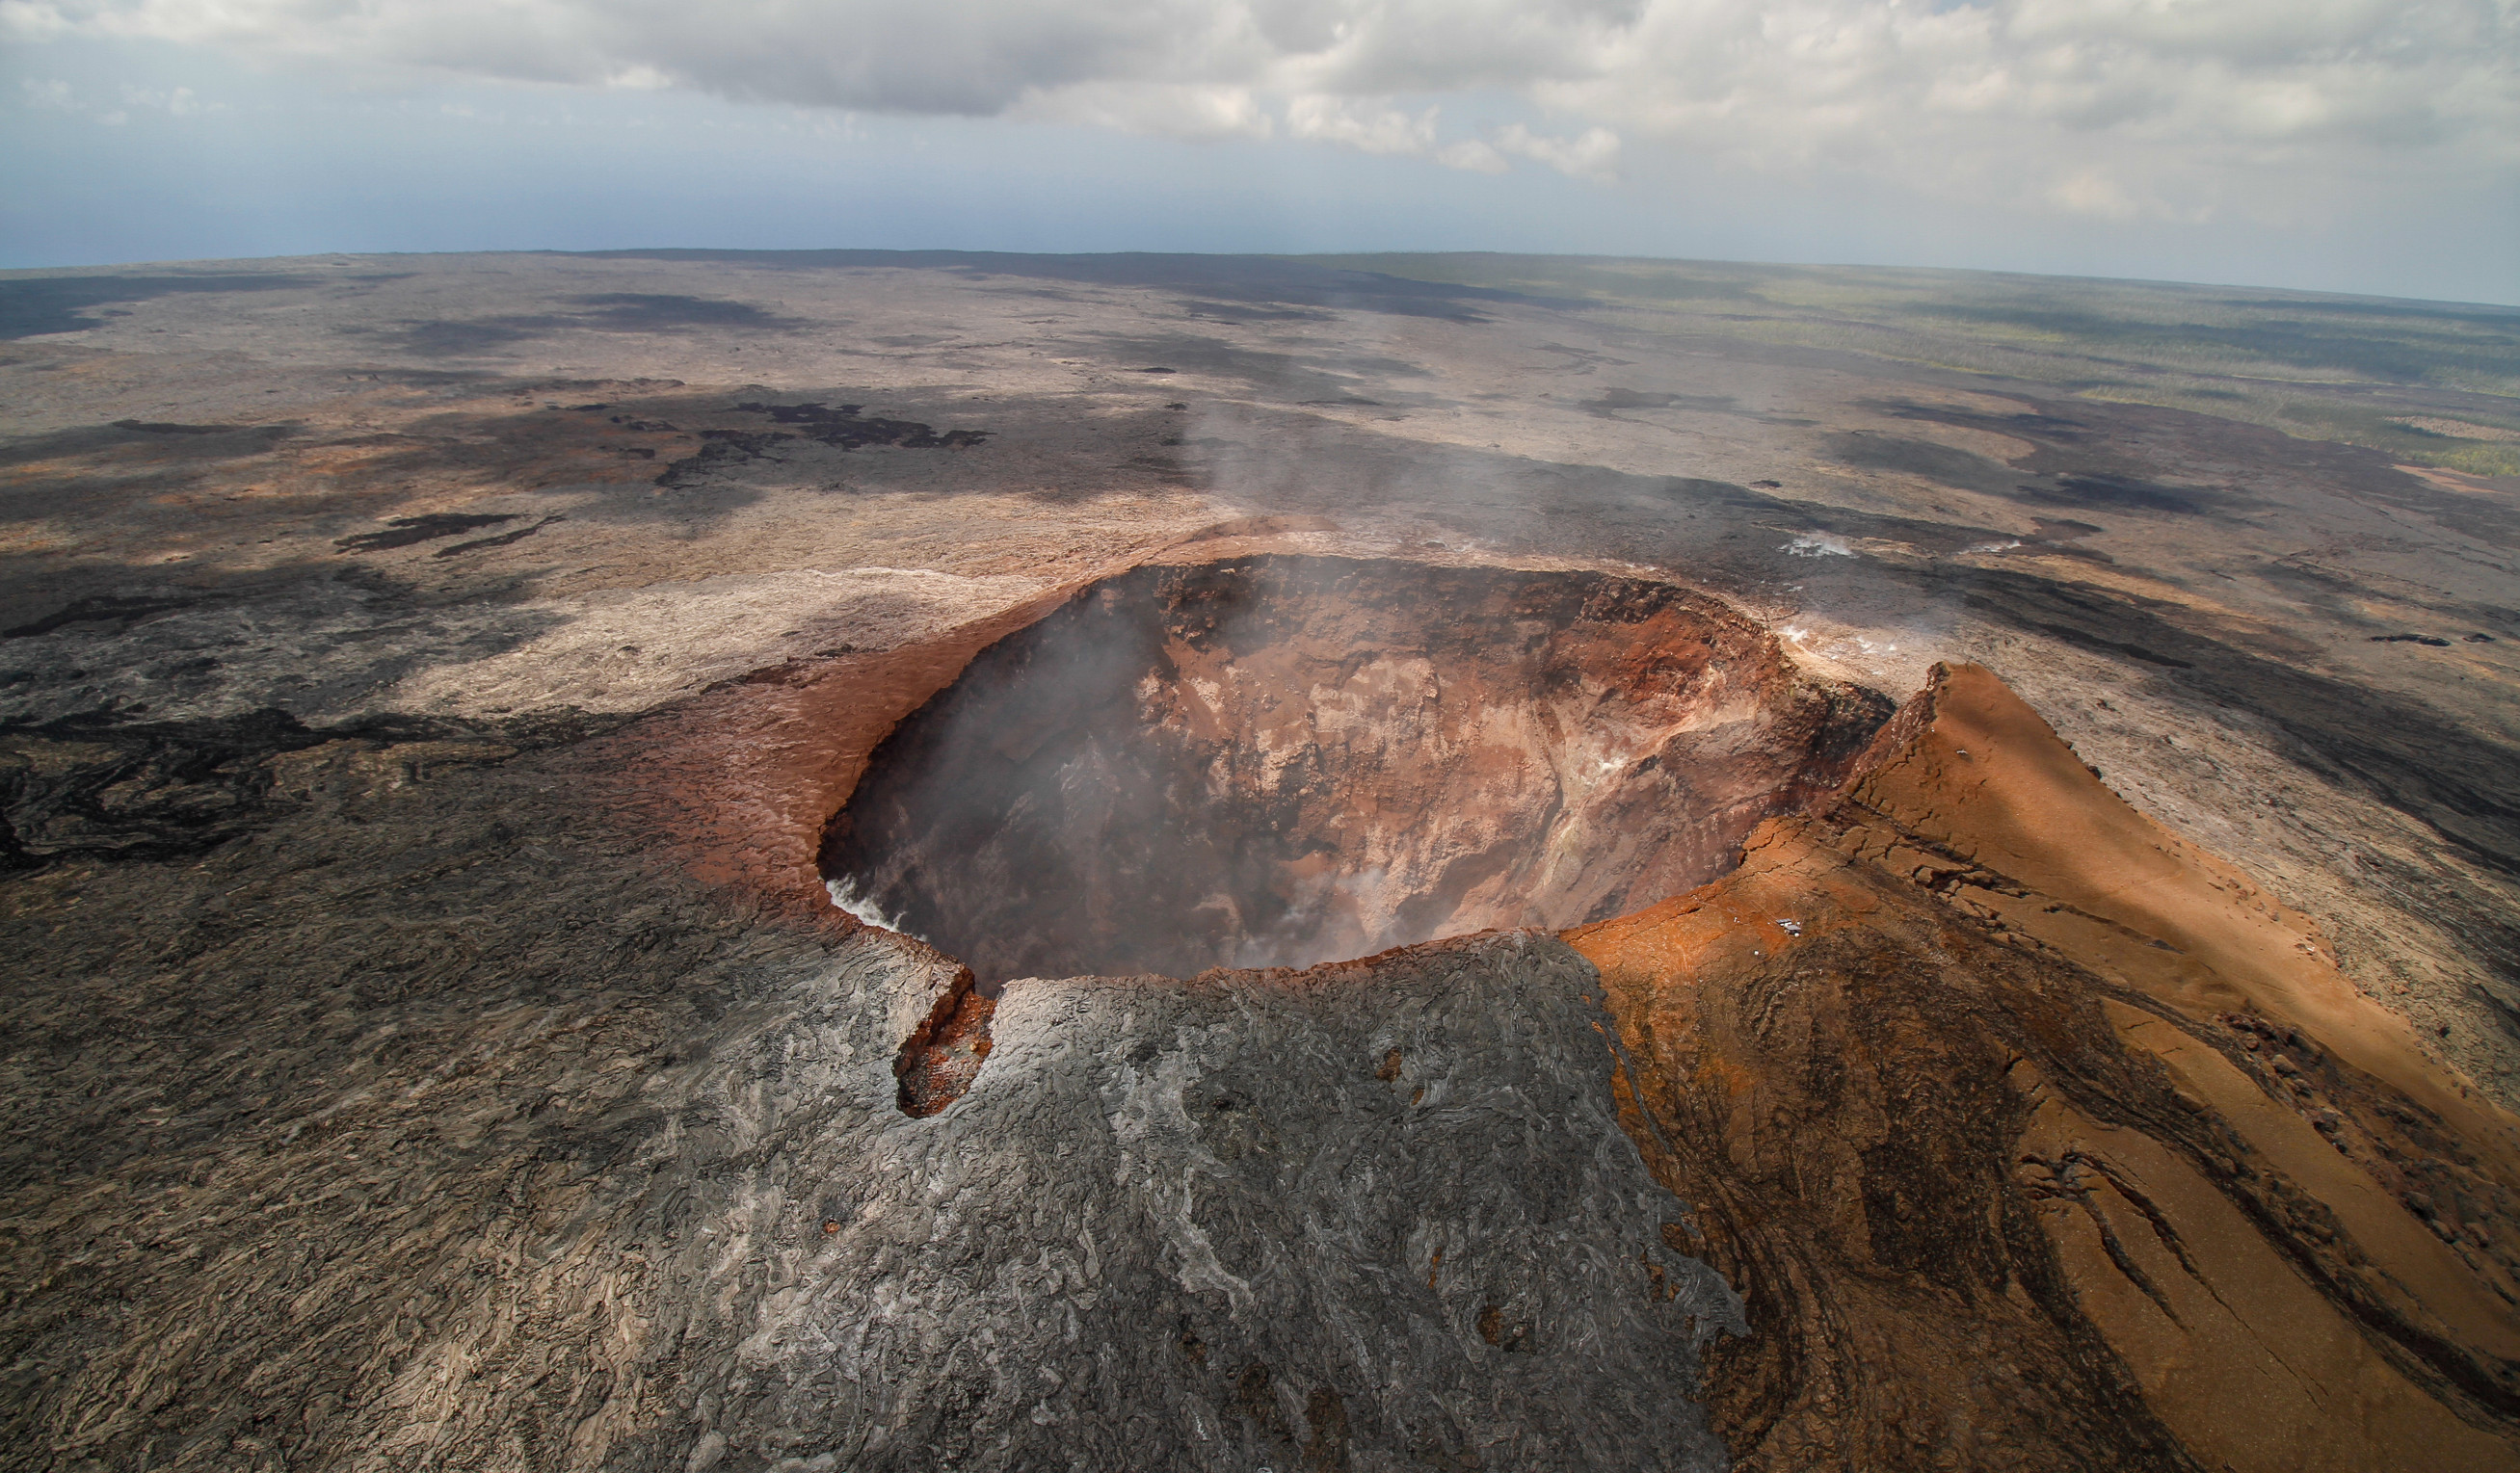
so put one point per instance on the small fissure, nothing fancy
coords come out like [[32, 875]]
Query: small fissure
[[943, 1055]]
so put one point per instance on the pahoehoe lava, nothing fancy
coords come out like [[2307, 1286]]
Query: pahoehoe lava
[[1287, 760]]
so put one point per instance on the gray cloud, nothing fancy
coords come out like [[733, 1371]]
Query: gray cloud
[[2126, 109]]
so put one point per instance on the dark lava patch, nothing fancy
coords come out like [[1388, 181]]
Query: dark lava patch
[[2055, 479], [1614, 400], [500, 541], [404, 531], [849, 428], [845, 428], [32, 306], [104, 609], [1271, 282], [102, 788], [2458, 779]]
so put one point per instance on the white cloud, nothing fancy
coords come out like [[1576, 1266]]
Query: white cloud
[[177, 100], [2091, 193], [1595, 156], [1363, 126], [1172, 109], [2196, 99], [1375, 127], [639, 77], [29, 20], [2117, 109], [1472, 156]]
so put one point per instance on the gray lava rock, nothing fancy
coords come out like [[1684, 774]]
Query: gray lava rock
[[386, 1137]]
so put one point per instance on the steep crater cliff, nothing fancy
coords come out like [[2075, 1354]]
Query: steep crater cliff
[[1284, 760]]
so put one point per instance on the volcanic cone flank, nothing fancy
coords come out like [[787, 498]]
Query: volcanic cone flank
[[2033, 1135]]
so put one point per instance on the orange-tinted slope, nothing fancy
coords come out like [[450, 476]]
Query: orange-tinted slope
[[2036, 1136]]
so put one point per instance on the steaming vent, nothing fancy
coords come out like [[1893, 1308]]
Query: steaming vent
[[1282, 761]]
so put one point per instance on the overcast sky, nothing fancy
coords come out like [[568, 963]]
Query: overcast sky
[[2355, 144]]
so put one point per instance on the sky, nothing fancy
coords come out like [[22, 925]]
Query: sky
[[2369, 146]]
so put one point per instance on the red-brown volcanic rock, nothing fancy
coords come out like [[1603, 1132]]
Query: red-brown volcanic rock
[[2035, 1136], [1280, 760], [736, 785]]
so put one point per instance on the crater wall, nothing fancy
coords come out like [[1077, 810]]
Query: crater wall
[[1285, 760]]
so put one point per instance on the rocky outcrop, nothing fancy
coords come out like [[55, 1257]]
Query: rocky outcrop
[[2035, 1136]]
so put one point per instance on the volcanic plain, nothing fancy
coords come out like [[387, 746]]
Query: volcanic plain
[[808, 860]]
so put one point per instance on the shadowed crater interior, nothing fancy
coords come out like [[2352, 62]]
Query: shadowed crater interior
[[1281, 761]]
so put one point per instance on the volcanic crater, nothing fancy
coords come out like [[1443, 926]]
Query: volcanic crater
[[1283, 760]]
